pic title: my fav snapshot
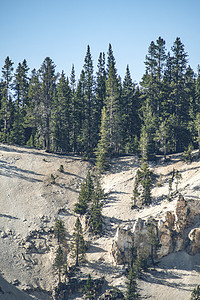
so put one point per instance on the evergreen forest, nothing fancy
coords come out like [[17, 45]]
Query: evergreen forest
[[100, 114]]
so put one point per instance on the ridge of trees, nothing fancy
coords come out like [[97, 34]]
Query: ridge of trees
[[100, 114]]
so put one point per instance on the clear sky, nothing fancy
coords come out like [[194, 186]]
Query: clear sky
[[62, 29]]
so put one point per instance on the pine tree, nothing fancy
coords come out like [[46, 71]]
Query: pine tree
[[102, 151], [89, 288], [180, 102], [21, 84], [74, 112], [82, 205], [19, 134], [89, 129], [160, 58], [78, 246], [6, 100], [110, 59], [162, 138], [131, 285], [79, 112], [48, 78], [33, 117], [130, 117], [100, 86], [85, 195], [112, 101], [59, 231], [90, 185], [147, 136], [96, 219], [154, 95], [143, 182], [152, 80], [195, 293], [59, 262], [61, 111], [153, 241]]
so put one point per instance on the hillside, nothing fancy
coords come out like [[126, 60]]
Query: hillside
[[30, 204]]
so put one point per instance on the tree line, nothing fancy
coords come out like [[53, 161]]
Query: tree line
[[101, 114]]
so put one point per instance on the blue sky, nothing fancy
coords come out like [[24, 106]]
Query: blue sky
[[62, 29]]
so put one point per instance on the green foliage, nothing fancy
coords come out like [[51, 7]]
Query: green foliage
[[6, 109], [59, 262], [140, 263], [61, 169], [138, 260], [187, 154], [130, 106], [89, 201], [53, 179], [196, 293], [60, 116], [162, 138], [78, 246], [89, 288], [96, 219], [48, 88], [143, 186], [131, 285], [85, 195], [113, 109], [59, 231], [88, 130], [50, 112], [147, 137], [153, 240], [102, 152]]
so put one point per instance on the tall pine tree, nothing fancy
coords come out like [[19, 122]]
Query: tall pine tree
[[78, 246], [89, 127], [48, 79], [61, 112], [6, 110], [113, 109]]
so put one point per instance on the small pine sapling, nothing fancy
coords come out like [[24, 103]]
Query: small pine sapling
[[195, 293], [61, 169], [53, 179], [89, 288]]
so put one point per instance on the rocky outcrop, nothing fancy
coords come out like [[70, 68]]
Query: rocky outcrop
[[172, 233], [194, 237], [123, 241], [135, 235]]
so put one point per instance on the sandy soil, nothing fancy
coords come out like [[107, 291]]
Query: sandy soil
[[30, 203]]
